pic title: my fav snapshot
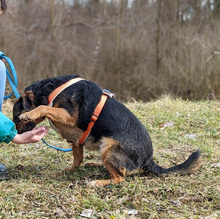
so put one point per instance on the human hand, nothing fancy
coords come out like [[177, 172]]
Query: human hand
[[35, 135]]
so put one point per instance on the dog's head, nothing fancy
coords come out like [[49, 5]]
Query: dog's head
[[34, 95], [24, 104]]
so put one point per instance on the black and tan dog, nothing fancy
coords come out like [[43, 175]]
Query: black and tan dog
[[122, 140]]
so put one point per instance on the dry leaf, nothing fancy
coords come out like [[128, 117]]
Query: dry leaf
[[87, 213]]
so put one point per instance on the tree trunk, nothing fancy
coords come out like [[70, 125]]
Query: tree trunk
[[158, 32]]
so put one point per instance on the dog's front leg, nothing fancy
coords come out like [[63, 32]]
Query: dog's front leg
[[78, 158], [52, 113]]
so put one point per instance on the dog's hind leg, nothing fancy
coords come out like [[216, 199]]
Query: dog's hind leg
[[111, 161], [78, 158]]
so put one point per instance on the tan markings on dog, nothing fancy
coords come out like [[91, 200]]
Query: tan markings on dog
[[128, 173], [21, 124], [55, 114], [78, 157], [117, 176], [28, 98], [107, 143], [196, 165], [93, 164], [70, 133], [89, 145], [30, 95], [192, 168]]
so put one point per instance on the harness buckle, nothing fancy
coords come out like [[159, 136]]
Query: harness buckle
[[94, 118], [108, 93]]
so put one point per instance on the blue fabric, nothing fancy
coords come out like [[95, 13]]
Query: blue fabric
[[2, 82], [7, 129]]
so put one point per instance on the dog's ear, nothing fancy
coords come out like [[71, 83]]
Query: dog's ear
[[28, 100]]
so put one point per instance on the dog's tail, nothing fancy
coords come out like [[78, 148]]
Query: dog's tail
[[192, 164]]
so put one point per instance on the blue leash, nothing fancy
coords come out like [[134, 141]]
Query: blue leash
[[57, 148], [14, 85]]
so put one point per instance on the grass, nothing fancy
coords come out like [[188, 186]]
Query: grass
[[39, 189]]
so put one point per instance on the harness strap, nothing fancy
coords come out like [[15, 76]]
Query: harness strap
[[58, 90], [95, 116]]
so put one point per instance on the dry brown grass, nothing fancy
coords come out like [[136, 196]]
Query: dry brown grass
[[39, 189]]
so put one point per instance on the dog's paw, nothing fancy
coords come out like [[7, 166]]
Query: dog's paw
[[94, 184], [24, 117], [99, 183], [69, 169], [93, 164]]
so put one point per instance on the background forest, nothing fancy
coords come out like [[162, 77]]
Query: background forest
[[138, 49]]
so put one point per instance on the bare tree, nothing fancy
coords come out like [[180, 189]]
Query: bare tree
[[139, 48]]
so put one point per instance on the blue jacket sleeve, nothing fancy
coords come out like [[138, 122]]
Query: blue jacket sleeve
[[7, 129]]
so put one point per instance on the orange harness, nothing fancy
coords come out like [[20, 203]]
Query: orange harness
[[95, 114], [59, 89], [94, 117]]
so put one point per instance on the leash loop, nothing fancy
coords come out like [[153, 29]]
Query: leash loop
[[12, 81]]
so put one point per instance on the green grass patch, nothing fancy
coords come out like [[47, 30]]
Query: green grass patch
[[39, 189]]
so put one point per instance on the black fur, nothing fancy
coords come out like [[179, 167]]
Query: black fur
[[134, 149]]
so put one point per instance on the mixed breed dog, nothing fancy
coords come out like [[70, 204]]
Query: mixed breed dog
[[86, 116]]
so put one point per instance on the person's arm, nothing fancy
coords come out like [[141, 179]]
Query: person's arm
[[9, 133]]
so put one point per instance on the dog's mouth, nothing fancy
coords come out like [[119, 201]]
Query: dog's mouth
[[25, 126]]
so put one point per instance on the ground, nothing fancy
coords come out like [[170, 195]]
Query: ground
[[38, 188]]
